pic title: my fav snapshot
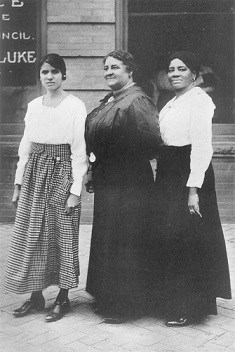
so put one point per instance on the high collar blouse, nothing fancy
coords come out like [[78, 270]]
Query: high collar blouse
[[123, 126], [187, 120], [63, 124]]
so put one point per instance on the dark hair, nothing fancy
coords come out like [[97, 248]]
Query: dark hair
[[188, 58], [55, 61], [127, 59]]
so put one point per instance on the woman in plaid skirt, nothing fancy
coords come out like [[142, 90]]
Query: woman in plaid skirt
[[48, 182]]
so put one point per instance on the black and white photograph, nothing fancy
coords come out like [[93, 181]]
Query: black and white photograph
[[117, 164]]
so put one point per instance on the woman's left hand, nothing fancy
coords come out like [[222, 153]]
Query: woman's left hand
[[193, 201], [71, 203]]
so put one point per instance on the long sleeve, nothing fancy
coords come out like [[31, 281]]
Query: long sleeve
[[23, 153], [78, 151], [201, 139], [146, 119]]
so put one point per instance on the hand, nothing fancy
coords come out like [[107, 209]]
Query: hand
[[193, 202], [89, 182], [89, 186], [71, 203], [16, 195]]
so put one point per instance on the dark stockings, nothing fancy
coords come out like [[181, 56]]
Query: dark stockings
[[36, 296], [62, 295]]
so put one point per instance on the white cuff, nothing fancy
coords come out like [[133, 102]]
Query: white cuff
[[76, 189], [196, 179]]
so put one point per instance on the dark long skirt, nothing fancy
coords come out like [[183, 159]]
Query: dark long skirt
[[118, 265], [193, 254]]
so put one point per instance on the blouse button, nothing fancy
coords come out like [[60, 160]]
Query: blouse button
[[57, 158]]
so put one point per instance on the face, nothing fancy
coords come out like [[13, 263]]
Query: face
[[115, 73], [180, 76], [50, 77]]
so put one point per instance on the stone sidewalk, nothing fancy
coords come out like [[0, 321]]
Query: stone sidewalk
[[81, 330]]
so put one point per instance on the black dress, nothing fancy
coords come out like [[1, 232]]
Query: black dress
[[193, 254], [123, 135]]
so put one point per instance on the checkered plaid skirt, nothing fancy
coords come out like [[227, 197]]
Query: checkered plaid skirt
[[44, 247]]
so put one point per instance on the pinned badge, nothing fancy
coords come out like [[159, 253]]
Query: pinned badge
[[92, 157]]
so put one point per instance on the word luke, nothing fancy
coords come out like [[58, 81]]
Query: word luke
[[18, 57]]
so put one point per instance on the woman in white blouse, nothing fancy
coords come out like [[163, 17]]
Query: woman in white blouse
[[48, 182], [194, 259]]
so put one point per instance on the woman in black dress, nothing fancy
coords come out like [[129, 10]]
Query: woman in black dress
[[122, 135], [194, 260]]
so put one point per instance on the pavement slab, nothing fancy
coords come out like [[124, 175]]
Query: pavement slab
[[83, 331]]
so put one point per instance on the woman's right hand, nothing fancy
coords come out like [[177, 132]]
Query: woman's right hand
[[193, 201], [16, 195]]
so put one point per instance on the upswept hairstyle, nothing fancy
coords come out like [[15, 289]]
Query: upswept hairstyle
[[188, 58], [55, 61], [127, 59]]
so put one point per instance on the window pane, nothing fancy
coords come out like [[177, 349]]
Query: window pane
[[153, 36]]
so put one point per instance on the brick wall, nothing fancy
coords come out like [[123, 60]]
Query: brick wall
[[81, 39], [81, 11]]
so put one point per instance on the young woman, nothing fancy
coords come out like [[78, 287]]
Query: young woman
[[194, 256], [48, 182]]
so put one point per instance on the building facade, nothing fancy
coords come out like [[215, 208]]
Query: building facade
[[83, 31]]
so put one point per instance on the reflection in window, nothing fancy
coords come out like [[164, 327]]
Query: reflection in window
[[158, 28]]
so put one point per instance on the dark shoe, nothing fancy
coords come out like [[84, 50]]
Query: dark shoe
[[28, 306], [58, 310], [183, 321]]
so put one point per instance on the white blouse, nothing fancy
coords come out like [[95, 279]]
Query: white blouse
[[188, 120], [63, 124]]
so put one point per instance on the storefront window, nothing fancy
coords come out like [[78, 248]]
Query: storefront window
[[157, 28]]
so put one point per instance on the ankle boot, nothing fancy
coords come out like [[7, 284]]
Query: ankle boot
[[31, 304], [58, 310]]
